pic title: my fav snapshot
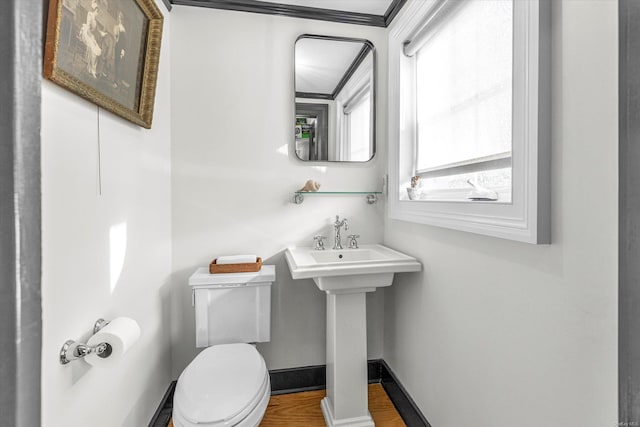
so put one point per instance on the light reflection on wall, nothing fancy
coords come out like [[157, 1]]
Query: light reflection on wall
[[117, 253], [284, 150]]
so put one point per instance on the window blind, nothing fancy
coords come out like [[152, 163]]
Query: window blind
[[440, 12]]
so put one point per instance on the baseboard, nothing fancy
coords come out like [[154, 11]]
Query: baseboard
[[295, 380], [307, 378], [401, 399]]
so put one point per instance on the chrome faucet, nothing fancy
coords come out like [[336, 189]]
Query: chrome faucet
[[338, 225]]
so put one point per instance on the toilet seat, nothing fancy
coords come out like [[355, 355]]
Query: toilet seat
[[225, 385]]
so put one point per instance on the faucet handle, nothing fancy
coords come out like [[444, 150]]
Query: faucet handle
[[353, 243], [319, 246]]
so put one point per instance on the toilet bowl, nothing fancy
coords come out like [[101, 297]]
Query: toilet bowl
[[225, 385]]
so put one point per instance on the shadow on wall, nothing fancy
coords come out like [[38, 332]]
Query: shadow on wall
[[139, 411], [183, 324], [545, 258], [156, 383], [418, 280], [291, 337]]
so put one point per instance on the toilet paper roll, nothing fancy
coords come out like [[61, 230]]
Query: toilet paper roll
[[120, 334]]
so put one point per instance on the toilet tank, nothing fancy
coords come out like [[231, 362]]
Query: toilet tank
[[232, 307]]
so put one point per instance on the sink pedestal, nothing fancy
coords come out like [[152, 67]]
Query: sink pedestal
[[346, 276], [346, 403]]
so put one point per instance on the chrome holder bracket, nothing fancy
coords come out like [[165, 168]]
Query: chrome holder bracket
[[100, 323], [67, 352], [72, 350]]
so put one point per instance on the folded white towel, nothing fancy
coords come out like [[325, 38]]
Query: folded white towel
[[236, 259]]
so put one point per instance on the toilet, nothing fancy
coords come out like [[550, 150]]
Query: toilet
[[227, 384]]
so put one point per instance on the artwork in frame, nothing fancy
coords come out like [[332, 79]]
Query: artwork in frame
[[106, 51]]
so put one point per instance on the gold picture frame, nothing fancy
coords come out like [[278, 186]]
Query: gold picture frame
[[106, 51]]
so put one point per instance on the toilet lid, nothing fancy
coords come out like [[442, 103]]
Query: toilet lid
[[221, 382]]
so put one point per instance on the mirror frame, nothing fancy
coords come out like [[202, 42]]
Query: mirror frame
[[374, 96]]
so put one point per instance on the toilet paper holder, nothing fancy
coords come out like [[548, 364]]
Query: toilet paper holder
[[72, 350]]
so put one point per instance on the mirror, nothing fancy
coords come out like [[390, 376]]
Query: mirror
[[334, 99]]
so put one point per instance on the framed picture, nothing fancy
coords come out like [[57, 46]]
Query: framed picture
[[106, 51]]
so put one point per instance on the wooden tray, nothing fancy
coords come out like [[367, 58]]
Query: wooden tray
[[251, 267]]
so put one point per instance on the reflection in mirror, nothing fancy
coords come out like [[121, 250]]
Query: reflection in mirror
[[334, 99]]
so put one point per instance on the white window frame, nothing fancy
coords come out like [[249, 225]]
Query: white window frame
[[527, 217]]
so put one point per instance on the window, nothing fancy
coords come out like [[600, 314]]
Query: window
[[357, 124], [469, 123], [356, 118], [463, 100]]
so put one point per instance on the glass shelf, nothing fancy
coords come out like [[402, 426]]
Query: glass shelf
[[372, 196]]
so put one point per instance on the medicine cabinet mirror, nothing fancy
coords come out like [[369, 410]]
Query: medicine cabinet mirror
[[334, 99]]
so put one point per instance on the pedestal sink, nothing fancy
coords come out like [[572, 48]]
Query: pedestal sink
[[346, 275]]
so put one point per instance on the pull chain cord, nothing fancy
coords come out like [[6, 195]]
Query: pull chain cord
[[99, 157]]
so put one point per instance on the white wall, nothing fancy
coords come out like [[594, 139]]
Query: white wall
[[496, 333], [234, 171], [78, 283]]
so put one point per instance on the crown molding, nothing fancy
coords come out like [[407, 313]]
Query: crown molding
[[293, 11]]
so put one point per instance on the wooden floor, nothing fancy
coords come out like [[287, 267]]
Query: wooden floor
[[303, 410]]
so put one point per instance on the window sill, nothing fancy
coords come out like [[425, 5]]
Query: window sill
[[456, 195]]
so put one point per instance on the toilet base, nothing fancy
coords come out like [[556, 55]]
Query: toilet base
[[331, 421]]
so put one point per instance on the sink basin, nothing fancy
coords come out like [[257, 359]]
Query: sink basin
[[370, 266], [341, 256]]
